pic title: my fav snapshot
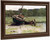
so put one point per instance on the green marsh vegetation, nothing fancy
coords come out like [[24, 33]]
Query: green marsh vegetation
[[38, 14]]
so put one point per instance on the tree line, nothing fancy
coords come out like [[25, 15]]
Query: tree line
[[25, 12]]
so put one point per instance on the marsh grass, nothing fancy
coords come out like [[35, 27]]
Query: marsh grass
[[25, 28], [9, 20]]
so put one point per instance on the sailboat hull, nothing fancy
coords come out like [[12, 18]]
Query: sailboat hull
[[17, 21]]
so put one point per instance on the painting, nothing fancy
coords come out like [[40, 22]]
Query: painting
[[20, 19]]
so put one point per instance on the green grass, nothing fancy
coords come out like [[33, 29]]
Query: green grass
[[8, 20], [38, 19], [9, 30], [32, 30], [29, 31], [24, 29]]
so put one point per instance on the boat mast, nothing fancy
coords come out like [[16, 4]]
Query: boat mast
[[21, 10]]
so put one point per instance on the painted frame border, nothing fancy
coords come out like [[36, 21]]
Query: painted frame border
[[3, 3]]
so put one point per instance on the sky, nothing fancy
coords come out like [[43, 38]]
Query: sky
[[17, 7]]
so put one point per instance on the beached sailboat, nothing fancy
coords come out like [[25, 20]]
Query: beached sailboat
[[19, 19]]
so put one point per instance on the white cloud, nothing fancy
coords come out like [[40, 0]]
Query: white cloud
[[12, 7], [17, 7], [34, 7]]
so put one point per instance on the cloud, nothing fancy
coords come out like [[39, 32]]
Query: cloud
[[17, 7]]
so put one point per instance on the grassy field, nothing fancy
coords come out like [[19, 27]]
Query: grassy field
[[38, 19], [25, 28]]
